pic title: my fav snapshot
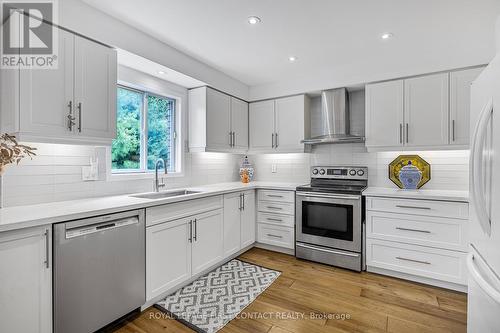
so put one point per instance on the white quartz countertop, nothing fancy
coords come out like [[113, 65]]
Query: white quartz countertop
[[19, 217], [443, 195]]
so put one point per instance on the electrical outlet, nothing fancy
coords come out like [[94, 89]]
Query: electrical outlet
[[274, 168], [91, 172]]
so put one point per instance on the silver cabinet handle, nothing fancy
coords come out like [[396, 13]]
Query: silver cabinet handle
[[413, 260], [276, 208], [275, 236], [80, 117], [274, 196], [401, 133], [47, 248], [230, 139], [195, 230], [273, 219], [234, 139], [243, 200], [414, 230], [407, 133], [413, 207], [277, 140], [272, 140], [453, 130], [71, 119], [239, 203], [190, 239]]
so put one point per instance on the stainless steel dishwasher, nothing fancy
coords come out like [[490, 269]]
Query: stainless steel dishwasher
[[99, 270]]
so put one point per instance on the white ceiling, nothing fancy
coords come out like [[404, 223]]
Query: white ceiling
[[329, 37], [144, 65]]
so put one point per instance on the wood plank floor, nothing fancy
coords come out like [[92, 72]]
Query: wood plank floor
[[332, 300]]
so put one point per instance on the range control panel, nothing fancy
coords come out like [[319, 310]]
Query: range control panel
[[336, 172]]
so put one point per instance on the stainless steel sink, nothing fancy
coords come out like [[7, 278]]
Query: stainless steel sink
[[165, 194]]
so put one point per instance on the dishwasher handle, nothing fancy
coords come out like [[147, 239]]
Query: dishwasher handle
[[99, 227]]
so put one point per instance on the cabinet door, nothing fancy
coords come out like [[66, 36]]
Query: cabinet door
[[218, 120], [208, 240], [384, 114], [290, 123], [26, 281], [239, 124], [232, 224], [262, 121], [248, 218], [460, 86], [426, 111], [45, 94], [168, 256], [95, 89]]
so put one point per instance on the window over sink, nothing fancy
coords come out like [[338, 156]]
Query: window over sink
[[146, 131]]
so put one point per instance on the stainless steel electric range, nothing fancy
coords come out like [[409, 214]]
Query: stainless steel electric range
[[330, 216]]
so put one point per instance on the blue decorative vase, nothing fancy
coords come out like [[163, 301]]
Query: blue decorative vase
[[246, 167], [410, 176]]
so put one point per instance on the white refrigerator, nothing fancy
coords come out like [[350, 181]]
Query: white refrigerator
[[483, 262]]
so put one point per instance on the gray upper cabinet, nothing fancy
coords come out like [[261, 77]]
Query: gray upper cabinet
[[460, 83], [217, 122], [279, 125], [74, 103], [424, 112]]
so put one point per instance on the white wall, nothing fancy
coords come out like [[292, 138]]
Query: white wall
[[88, 21], [449, 169]]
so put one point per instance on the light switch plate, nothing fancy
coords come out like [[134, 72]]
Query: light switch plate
[[91, 172]]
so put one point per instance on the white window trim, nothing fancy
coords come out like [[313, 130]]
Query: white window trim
[[179, 146]]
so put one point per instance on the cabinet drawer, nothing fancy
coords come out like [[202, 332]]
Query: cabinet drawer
[[459, 210], [443, 265], [437, 232], [173, 211], [275, 235], [276, 219], [277, 207], [278, 196]]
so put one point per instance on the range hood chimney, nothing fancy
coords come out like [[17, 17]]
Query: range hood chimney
[[332, 123]]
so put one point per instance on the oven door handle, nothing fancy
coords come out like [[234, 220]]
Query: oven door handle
[[329, 196], [312, 247]]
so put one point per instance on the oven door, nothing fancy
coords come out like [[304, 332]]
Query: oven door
[[332, 220]]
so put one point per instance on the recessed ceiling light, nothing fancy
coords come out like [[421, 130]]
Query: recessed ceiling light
[[292, 58], [387, 35], [161, 72], [253, 20]]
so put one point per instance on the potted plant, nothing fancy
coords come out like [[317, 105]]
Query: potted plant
[[12, 152]]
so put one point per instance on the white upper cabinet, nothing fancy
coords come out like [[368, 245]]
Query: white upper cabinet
[[74, 103], [426, 111], [95, 89], [26, 280], [239, 124], [384, 114], [262, 128], [278, 126], [460, 85], [217, 122]]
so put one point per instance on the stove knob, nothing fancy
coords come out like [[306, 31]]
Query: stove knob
[[352, 172], [361, 172], [315, 171], [322, 172]]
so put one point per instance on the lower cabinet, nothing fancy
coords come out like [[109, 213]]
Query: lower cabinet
[[179, 249], [168, 255], [239, 221], [207, 240], [419, 240], [26, 280]]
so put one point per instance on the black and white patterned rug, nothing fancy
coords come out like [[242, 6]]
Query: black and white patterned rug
[[210, 302]]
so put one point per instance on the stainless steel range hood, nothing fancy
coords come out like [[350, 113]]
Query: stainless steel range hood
[[331, 122]]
